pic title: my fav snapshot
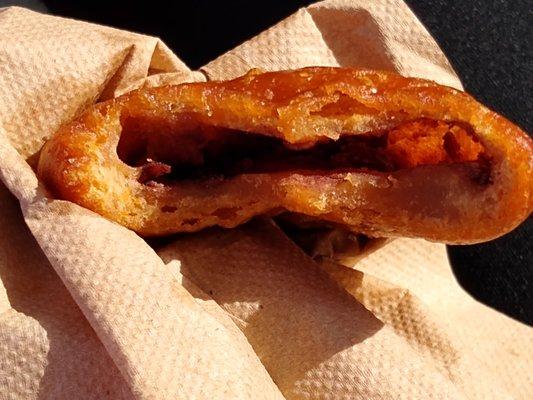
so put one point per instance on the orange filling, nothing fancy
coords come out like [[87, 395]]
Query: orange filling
[[431, 142]]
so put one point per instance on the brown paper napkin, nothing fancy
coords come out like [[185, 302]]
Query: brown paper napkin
[[315, 340], [150, 332], [477, 348]]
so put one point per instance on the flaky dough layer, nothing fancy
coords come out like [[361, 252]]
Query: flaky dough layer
[[445, 202]]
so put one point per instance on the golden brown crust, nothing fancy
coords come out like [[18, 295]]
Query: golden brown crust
[[444, 202]]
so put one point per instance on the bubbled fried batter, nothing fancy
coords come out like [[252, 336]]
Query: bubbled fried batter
[[372, 151]]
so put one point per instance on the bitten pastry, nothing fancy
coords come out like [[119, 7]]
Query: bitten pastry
[[373, 152]]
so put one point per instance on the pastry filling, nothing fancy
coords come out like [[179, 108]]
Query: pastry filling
[[209, 152]]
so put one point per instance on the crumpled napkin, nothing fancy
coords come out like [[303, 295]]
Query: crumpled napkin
[[89, 310]]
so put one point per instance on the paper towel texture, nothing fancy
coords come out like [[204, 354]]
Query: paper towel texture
[[89, 310]]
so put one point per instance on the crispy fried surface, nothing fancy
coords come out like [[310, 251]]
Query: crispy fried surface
[[381, 154]]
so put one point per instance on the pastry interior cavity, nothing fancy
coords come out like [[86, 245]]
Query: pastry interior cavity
[[200, 152]]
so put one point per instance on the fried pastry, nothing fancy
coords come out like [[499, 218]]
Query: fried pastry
[[373, 152]]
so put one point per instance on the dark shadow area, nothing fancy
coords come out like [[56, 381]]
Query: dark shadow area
[[36, 5], [499, 273]]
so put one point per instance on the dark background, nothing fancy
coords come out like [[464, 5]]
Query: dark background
[[489, 44]]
